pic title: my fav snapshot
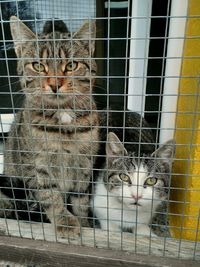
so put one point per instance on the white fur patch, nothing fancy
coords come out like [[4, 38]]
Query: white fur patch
[[65, 118]]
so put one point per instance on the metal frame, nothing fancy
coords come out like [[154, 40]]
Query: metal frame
[[12, 248]]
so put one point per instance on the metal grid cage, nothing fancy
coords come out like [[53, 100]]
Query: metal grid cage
[[102, 97]]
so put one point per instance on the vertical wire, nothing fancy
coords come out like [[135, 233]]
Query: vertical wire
[[73, 77], [92, 178], [63, 153], [51, 152], [144, 76], [188, 167], [181, 71], [125, 99], [146, 59], [93, 183], [17, 9], [93, 157], [138, 157], [12, 101], [80, 182], [137, 143], [108, 99], [160, 103], [60, 135], [43, 114], [27, 200], [59, 153], [1, 126], [196, 238], [21, 167]]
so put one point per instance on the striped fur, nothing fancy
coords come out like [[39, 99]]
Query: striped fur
[[51, 144]]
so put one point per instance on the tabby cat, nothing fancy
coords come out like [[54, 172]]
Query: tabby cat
[[134, 180], [51, 144]]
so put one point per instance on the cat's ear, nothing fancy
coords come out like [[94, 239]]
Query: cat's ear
[[87, 34], [114, 147], [165, 153], [20, 34]]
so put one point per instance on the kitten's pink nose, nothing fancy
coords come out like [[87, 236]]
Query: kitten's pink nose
[[136, 197]]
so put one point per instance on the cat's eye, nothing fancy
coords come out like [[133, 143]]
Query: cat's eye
[[39, 67], [71, 66], [124, 177], [151, 181]]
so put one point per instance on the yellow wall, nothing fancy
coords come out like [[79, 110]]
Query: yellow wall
[[185, 215]]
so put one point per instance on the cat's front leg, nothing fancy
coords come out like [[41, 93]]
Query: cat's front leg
[[52, 202], [6, 206], [80, 207], [144, 230], [109, 226]]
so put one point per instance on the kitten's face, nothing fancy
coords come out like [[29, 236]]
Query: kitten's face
[[137, 183], [55, 66]]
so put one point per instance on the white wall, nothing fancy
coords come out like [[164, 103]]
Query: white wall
[[173, 68], [140, 28]]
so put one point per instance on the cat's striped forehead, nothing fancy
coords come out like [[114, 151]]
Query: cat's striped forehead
[[130, 163], [56, 45], [59, 47]]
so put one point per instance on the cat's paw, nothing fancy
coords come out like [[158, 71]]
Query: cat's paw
[[84, 222], [68, 227], [110, 228], [145, 231]]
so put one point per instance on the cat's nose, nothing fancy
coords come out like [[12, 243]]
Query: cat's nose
[[136, 197], [53, 88], [54, 84]]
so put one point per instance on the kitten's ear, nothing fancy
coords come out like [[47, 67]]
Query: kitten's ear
[[166, 152], [20, 34], [87, 32], [114, 147]]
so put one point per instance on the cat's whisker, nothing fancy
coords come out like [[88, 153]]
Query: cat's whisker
[[99, 87], [11, 83]]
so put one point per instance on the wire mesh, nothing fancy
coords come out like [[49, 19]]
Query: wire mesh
[[77, 165]]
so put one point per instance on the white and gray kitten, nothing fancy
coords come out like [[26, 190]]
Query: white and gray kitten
[[129, 189]]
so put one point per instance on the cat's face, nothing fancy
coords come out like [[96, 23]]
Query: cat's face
[[134, 182], [56, 66]]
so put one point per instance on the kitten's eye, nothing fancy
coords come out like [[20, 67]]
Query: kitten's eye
[[71, 66], [39, 67], [124, 177], [151, 181]]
